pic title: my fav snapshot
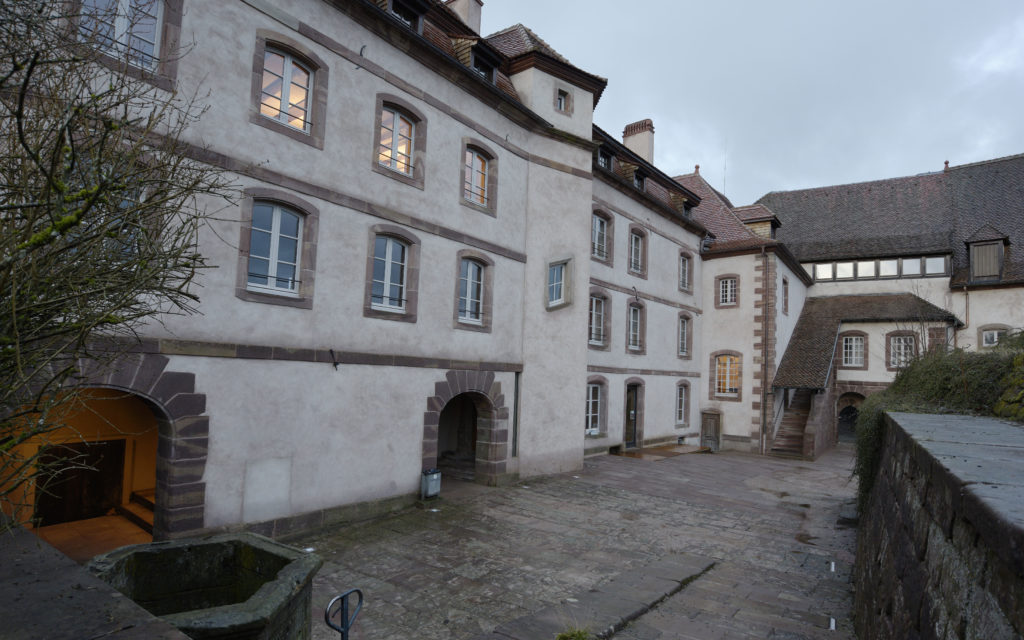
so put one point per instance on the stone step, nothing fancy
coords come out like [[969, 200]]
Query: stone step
[[139, 515]]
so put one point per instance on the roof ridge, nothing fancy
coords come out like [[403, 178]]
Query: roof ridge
[[919, 176], [1015, 156]]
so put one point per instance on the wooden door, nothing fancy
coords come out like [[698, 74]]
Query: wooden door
[[80, 479], [710, 430]]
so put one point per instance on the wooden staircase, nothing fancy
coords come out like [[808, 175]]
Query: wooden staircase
[[140, 509], [789, 440]]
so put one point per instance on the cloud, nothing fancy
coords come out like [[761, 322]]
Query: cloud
[[1000, 54]]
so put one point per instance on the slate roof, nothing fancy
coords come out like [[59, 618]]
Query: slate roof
[[754, 213], [807, 363], [925, 214]]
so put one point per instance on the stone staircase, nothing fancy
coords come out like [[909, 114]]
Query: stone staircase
[[140, 509], [789, 440]]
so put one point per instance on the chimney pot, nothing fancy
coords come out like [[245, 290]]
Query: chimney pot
[[946, 168], [639, 138], [696, 169]]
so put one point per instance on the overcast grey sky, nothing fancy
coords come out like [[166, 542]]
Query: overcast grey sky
[[787, 94]]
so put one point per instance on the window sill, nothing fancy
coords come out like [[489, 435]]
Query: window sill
[[554, 306], [267, 297], [478, 327], [312, 138], [485, 209], [414, 180]]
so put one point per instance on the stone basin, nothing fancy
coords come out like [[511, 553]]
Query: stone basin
[[240, 586]]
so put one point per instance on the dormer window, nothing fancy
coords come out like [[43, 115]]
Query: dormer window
[[562, 101], [483, 68], [410, 13], [639, 181], [986, 260], [604, 159]]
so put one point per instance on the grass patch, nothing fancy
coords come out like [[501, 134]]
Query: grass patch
[[960, 382]]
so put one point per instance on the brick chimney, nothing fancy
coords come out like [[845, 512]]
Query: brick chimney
[[469, 11], [639, 138]]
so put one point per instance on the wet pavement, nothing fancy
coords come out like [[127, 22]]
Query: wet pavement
[[702, 546]]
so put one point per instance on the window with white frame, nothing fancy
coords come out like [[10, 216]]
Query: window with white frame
[[902, 349], [596, 323], [598, 237], [684, 336], [727, 291], [853, 351], [397, 132], [128, 29], [471, 291], [682, 403], [727, 375], [604, 159], [474, 188], [593, 418], [388, 286], [636, 252], [286, 87], [992, 337], [636, 328], [558, 274], [684, 272], [275, 242]]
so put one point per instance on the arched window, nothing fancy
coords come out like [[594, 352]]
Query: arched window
[[274, 248], [684, 336], [397, 131], [682, 406], [727, 376], [286, 87], [389, 265], [289, 88], [596, 407], [471, 291], [474, 187]]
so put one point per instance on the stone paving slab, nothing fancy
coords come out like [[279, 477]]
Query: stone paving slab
[[599, 547]]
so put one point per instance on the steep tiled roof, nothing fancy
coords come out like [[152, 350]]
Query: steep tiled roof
[[986, 233], [807, 362], [715, 213], [753, 213], [518, 40], [931, 213]]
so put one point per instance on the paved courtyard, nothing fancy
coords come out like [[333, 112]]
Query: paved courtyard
[[734, 546]]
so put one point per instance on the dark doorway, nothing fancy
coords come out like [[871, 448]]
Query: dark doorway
[[79, 480], [710, 430], [848, 423], [456, 438], [629, 438]]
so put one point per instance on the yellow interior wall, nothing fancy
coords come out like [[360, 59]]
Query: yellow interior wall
[[107, 414]]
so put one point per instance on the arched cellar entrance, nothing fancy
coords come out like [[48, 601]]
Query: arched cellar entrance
[[465, 428], [96, 487], [456, 438], [847, 411]]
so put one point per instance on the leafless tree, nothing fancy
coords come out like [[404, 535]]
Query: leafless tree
[[99, 208]]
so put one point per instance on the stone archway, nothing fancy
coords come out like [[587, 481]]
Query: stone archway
[[480, 388], [847, 411], [183, 434]]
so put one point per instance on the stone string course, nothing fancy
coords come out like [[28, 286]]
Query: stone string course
[[940, 551]]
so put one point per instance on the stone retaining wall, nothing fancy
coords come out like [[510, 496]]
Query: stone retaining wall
[[940, 551]]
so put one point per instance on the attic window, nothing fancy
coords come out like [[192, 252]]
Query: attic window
[[562, 101], [484, 68], [406, 13], [986, 259], [638, 180], [604, 159]]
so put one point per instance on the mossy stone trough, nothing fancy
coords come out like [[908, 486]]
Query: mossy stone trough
[[238, 586]]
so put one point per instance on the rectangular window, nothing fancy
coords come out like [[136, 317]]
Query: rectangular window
[[396, 140], [866, 269], [274, 244], [636, 252], [474, 188], [684, 272], [901, 350], [823, 271], [128, 29], [684, 336], [286, 88], [604, 159], [844, 270], [596, 321], [911, 267], [853, 351], [562, 101], [985, 260], [727, 375], [635, 328], [727, 291], [593, 420], [888, 268], [389, 259], [935, 265], [471, 287], [556, 283], [785, 295], [598, 237], [991, 337], [681, 403]]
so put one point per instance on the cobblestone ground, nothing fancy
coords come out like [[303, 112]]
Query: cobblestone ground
[[480, 557]]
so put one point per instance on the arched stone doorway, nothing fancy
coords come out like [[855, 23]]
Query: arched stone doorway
[[465, 427], [847, 411], [182, 434]]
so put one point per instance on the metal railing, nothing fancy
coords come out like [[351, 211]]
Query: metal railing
[[339, 607]]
